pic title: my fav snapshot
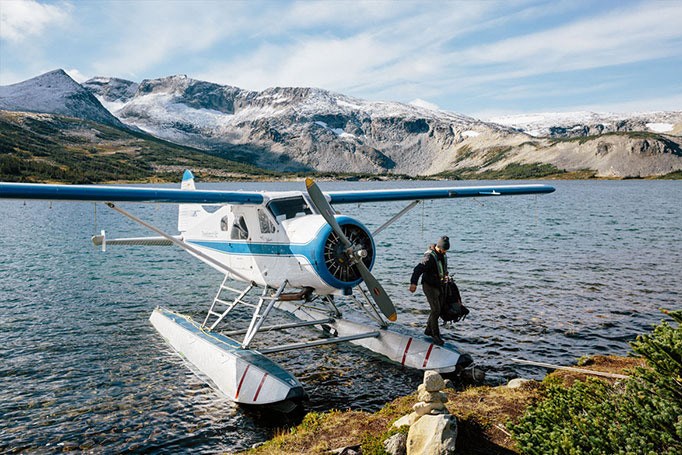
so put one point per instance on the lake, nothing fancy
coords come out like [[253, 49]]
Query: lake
[[549, 278]]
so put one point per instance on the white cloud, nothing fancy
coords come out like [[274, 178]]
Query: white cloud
[[425, 104], [77, 75], [21, 19], [155, 33], [649, 32]]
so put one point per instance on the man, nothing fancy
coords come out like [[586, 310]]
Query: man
[[434, 271]]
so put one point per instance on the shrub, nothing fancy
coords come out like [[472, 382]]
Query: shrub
[[641, 415]]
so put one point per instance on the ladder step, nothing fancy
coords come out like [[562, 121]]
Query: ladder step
[[214, 313], [227, 288]]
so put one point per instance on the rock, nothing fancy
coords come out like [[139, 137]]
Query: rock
[[422, 408], [432, 397], [517, 382], [432, 435], [396, 444], [406, 420], [473, 374], [433, 382]]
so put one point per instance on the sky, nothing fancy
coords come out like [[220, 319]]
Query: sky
[[479, 58]]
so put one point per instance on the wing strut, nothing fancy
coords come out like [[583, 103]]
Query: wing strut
[[190, 249], [395, 217]]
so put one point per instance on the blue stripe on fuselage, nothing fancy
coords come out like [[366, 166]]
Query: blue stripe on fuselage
[[312, 251]]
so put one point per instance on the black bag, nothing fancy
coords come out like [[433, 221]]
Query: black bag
[[451, 307]]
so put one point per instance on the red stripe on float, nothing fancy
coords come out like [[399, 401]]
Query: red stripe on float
[[407, 348], [241, 381], [260, 386], [428, 354]]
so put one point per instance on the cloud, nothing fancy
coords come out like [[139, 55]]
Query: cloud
[[21, 19], [425, 104], [155, 33], [77, 75], [645, 33]]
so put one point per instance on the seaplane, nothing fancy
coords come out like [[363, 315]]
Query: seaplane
[[278, 251]]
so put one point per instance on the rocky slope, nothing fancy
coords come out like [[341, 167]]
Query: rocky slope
[[55, 93], [582, 124], [305, 129]]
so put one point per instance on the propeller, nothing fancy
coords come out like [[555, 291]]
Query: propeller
[[354, 252]]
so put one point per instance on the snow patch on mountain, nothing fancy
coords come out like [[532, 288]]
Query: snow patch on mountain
[[584, 123]]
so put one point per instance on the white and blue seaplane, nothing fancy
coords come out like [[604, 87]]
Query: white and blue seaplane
[[291, 251]]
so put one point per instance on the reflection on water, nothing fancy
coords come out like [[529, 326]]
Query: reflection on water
[[548, 278]]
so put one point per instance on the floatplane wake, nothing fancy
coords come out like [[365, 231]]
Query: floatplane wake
[[289, 251]]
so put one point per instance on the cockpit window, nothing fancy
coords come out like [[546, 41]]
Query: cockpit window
[[287, 208]]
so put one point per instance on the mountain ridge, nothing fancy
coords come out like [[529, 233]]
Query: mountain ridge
[[312, 129]]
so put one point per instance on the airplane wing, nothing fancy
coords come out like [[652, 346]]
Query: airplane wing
[[350, 197], [101, 193]]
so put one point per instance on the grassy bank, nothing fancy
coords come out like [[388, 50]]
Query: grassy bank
[[483, 415]]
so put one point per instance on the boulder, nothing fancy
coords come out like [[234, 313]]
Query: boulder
[[436, 407], [396, 444], [432, 397], [432, 435], [517, 382], [406, 420], [433, 382]]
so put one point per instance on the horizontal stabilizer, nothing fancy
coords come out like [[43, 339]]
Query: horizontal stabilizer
[[98, 240]]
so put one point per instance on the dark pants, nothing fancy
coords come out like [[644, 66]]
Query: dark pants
[[434, 296]]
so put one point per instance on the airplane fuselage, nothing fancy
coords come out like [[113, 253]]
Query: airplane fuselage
[[281, 239]]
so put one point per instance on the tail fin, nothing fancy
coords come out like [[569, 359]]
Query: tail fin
[[187, 181], [188, 214]]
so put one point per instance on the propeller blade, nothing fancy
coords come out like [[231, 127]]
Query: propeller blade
[[322, 205], [378, 293]]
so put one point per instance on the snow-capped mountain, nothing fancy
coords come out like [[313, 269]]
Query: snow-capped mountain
[[300, 128], [582, 124], [55, 93]]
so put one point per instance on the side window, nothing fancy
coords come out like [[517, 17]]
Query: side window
[[223, 224], [239, 229], [288, 208], [266, 226]]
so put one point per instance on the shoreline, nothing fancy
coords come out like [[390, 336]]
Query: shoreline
[[482, 412]]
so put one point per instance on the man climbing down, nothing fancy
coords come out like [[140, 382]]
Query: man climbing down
[[434, 272]]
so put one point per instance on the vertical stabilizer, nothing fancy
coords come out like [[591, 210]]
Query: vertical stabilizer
[[188, 214], [187, 181]]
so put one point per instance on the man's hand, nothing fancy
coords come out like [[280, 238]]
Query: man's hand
[[413, 287]]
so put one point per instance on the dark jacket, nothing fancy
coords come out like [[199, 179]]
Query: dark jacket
[[428, 268]]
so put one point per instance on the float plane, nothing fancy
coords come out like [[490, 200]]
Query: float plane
[[286, 251]]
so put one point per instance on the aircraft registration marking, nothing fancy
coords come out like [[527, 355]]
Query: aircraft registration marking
[[407, 348]]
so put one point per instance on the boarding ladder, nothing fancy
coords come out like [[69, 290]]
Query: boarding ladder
[[219, 301]]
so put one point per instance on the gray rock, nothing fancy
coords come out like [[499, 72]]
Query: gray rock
[[422, 408], [433, 382], [432, 435], [517, 382], [432, 397], [396, 444]]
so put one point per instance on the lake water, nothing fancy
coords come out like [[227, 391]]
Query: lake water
[[548, 278]]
